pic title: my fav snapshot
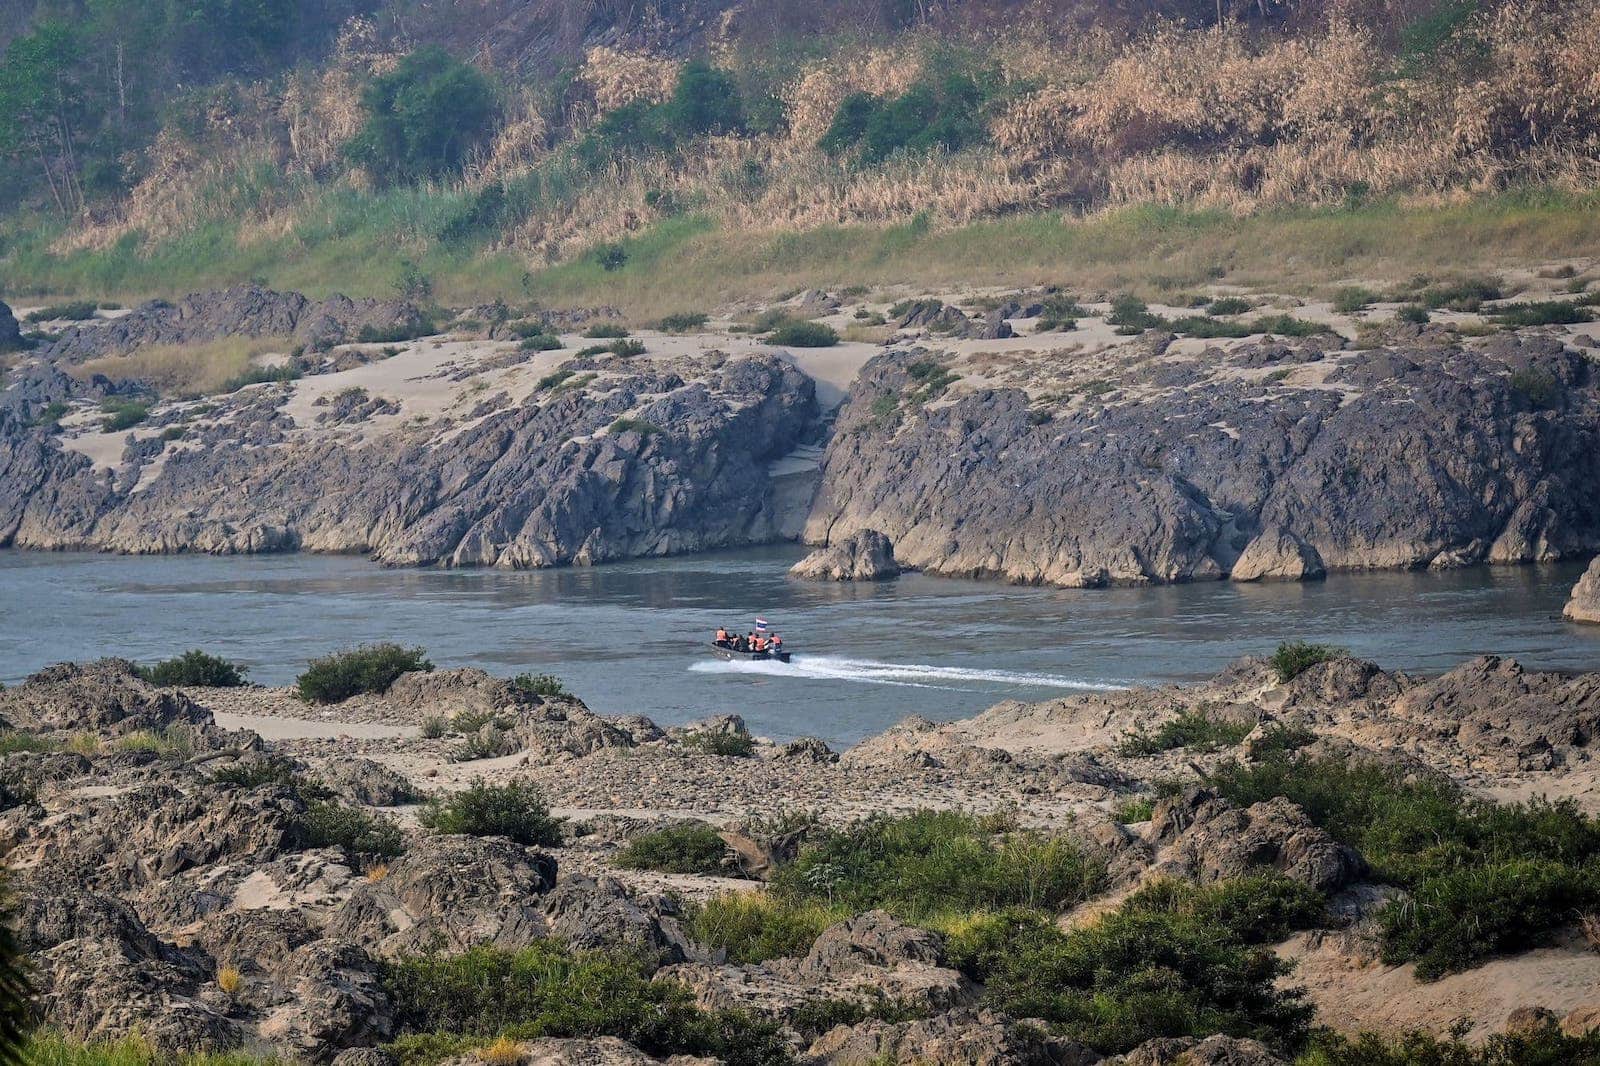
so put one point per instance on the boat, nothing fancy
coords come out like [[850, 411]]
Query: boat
[[723, 651]]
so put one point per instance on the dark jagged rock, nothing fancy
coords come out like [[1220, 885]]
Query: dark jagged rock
[[589, 913], [963, 1037], [244, 311], [866, 555], [1409, 458], [10, 332], [1216, 1050]]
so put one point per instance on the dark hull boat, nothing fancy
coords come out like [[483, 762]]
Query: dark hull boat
[[722, 651]]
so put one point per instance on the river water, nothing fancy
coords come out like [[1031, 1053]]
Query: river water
[[629, 637]]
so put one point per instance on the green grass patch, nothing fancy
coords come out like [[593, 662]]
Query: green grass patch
[[17, 742], [606, 331], [74, 311], [449, 1004], [515, 810], [1194, 730], [682, 322], [544, 685], [757, 926], [51, 1049], [1548, 1047], [1295, 657], [1542, 313], [371, 668], [804, 335], [685, 848], [123, 414], [934, 862]]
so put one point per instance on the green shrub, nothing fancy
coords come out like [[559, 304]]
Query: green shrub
[[804, 335], [1161, 966], [930, 862], [1483, 878], [634, 425], [1353, 298], [423, 117], [515, 810], [1295, 657], [606, 331], [1288, 326], [397, 333], [547, 990], [1130, 315], [731, 745], [933, 380], [1539, 387], [539, 685], [258, 375], [1205, 327], [1467, 295], [434, 727], [683, 322], [371, 668], [685, 848], [481, 743], [756, 926], [15, 742], [625, 349], [1192, 729], [611, 257], [196, 668], [50, 414], [172, 742], [1415, 314], [125, 414], [1542, 313], [333, 825], [72, 311], [1229, 305], [1135, 810], [936, 113], [541, 342], [1258, 909]]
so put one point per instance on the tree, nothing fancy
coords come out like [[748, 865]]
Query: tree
[[424, 116], [41, 100]]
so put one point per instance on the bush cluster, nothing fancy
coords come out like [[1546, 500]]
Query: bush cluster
[[685, 848], [515, 810], [1295, 657], [450, 1003], [423, 117], [804, 335], [371, 668], [333, 825], [123, 414], [938, 113], [1482, 878], [1193, 729], [196, 668]]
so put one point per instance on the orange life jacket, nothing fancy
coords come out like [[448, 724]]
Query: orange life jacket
[[761, 644]]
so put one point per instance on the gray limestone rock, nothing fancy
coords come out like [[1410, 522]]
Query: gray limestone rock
[[865, 555], [1585, 603]]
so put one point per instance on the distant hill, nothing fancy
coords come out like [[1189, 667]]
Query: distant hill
[[309, 142]]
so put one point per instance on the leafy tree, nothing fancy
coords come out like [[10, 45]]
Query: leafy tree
[[424, 116], [41, 102]]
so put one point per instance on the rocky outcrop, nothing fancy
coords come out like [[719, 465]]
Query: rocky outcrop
[[1217, 1050], [1397, 458], [106, 697], [861, 959], [1584, 606], [865, 555], [1275, 555], [10, 332], [1202, 837], [965, 1037], [244, 311], [667, 458]]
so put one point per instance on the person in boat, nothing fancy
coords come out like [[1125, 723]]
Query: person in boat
[[741, 644], [776, 643], [722, 636], [759, 644]]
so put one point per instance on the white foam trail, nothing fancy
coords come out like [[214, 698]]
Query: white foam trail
[[916, 675]]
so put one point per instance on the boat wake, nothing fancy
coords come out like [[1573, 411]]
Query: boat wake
[[912, 675]]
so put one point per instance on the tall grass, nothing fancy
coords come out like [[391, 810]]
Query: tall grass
[[695, 260], [52, 1049], [189, 370]]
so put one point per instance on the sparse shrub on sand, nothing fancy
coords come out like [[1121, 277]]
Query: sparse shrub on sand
[[804, 335], [685, 848], [333, 825], [197, 668], [516, 810], [1295, 657], [370, 668]]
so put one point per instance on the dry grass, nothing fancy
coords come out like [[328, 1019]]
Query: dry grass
[[503, 1052], [187, 370], [230, 980]]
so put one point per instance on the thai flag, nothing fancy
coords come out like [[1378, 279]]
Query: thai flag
[[761, 623]]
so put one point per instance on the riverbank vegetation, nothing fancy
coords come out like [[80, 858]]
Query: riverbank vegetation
[[320, 150]]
